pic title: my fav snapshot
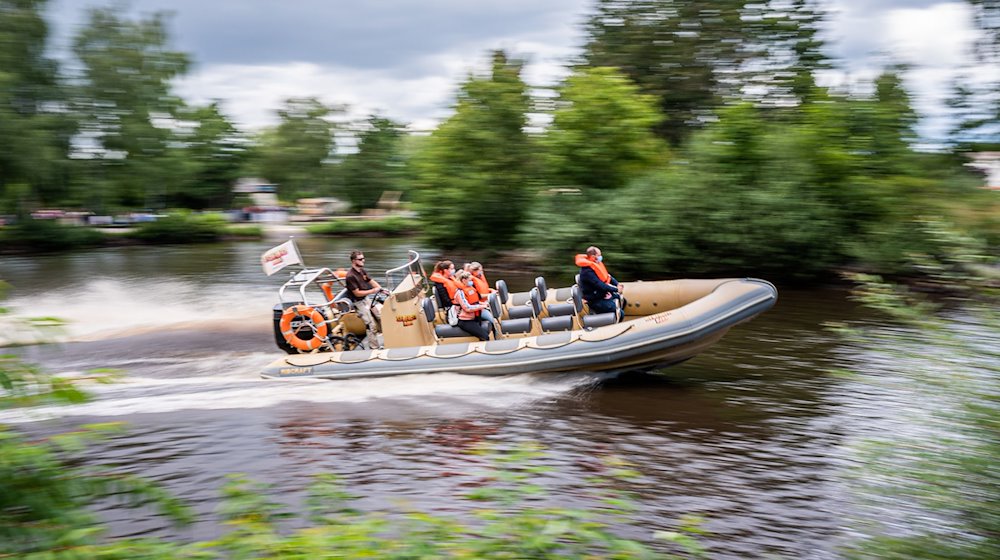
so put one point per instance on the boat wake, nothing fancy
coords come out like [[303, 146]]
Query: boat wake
[[104, 308]]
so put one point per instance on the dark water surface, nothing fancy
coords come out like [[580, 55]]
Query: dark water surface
[[754, 435]]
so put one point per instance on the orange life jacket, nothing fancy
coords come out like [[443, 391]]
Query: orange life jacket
[[603, 275], [481, 284], [471, 296], [449, 284]]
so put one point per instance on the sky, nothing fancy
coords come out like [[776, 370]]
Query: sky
[[405, 59]]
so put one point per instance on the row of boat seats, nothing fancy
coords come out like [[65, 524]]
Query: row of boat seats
[[517, 325], [531, 308]]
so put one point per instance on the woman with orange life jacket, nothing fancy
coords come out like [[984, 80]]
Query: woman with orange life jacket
[[473, 317], [479, 278], [443, 279], [597, 286]]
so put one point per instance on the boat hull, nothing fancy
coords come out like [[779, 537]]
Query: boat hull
[[641, 342]]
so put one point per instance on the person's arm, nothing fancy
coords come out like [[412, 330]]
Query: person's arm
[[358, 292], [465, 303], [591, 278]]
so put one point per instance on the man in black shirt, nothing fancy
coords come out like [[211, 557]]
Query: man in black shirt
[[362, 289]]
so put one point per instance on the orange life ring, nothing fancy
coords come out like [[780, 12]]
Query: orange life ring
[[328, 290], [319, 327]]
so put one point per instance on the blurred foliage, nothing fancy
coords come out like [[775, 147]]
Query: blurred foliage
[[601, 132], [392, 225], [795, 193], [975, 99], [48, 235], [376, 167], [213, 154], [45, 496], [293, 153], [510, 522], [766, 173], [125, 92], [473, 176], [182, 227], [34, 134], [693, 55], [947, 357]]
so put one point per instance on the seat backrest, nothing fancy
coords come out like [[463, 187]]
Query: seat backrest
[[576, 298], [441, 296], [540, 285], [493, 301], [430, 310], [502, 292], [536, 301]]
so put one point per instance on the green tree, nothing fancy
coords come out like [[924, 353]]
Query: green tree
[[215, 153], [474, 175], [601, 132], [377, 166], [693, 55], [35, 129], [126, 104], [976, 94], [295, 153]]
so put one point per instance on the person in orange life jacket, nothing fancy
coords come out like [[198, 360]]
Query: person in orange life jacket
[[597, 286], [472, 314], [443, 278], [362, 290], [476, 270]]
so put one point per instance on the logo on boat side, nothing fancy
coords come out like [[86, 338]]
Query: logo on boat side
[[407, 320], [660, 318], [295, 370]]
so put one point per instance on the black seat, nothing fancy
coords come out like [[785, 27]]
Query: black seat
[[572, 307], [543, 292], [561, 323], [516, 326], [502, 292], [532, 308], [448, 331], [430, 311], [599, 320]]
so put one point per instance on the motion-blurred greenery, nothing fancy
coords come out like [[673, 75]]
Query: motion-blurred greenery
[[943, 353], [713, 151]]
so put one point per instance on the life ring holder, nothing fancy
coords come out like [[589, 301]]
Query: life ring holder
[[319, 326]]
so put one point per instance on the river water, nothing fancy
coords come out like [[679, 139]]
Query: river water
[[755, 435]]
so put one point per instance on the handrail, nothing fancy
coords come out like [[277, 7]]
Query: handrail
[[412, 266], [305, 277]]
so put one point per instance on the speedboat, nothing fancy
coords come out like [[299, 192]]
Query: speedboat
[[542, 330]]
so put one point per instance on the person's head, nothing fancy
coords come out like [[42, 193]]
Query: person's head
[[445, 267], [594, 253], [475, 268], [464, 277], [357, 258]]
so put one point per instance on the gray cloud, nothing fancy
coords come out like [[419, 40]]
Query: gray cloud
[[390, 34]]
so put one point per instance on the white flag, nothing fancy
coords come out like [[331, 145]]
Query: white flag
[[279, 257]]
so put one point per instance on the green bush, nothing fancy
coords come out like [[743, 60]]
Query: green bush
[[182, 227], [49, 235], [393, 225], [244, 231]]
